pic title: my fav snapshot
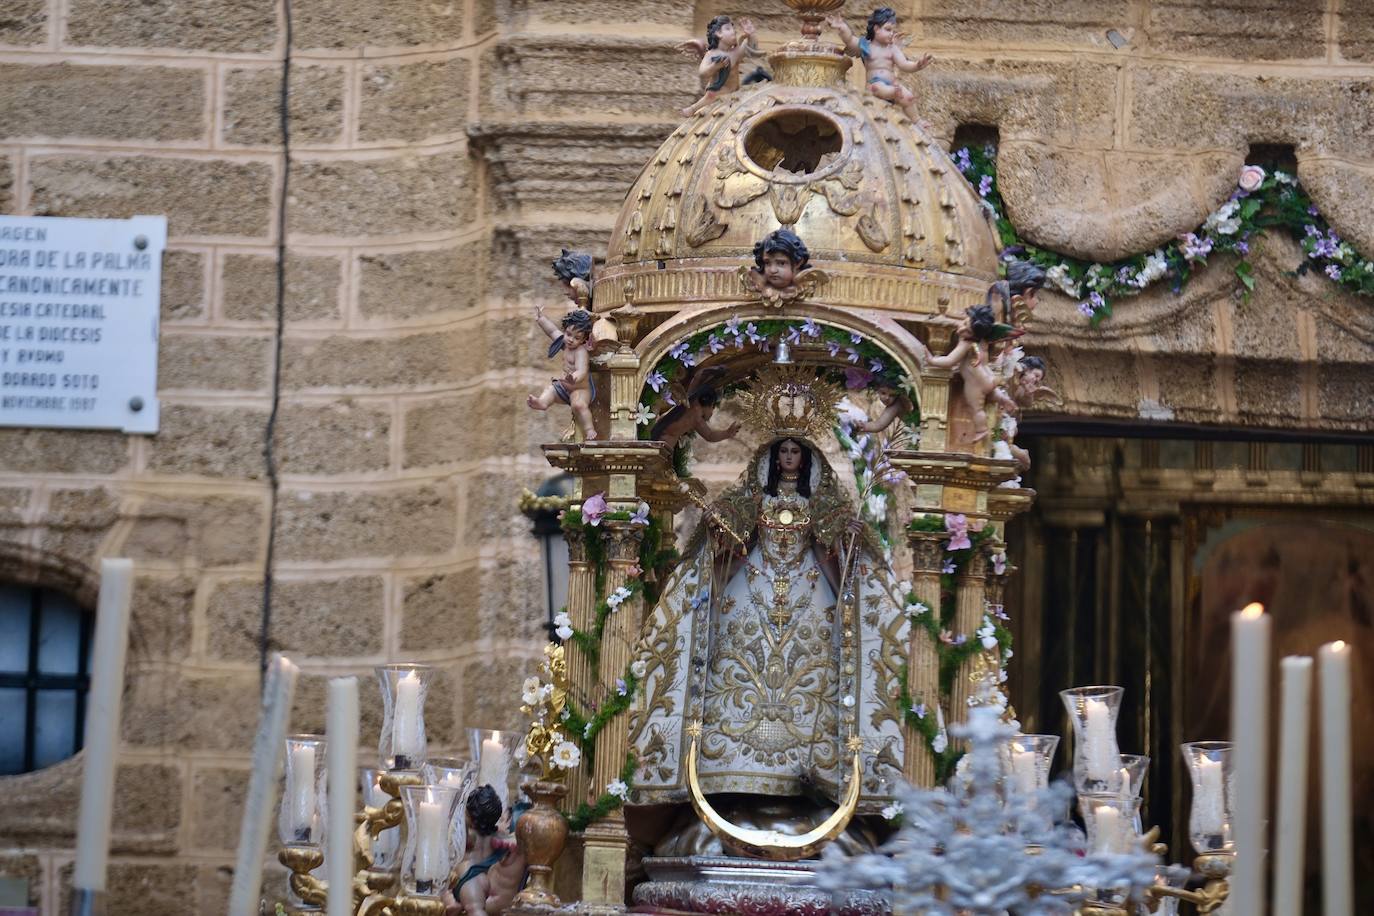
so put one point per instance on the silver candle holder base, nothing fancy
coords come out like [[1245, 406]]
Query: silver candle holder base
[[87, 903]]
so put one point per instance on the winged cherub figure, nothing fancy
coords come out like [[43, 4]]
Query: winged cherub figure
[[782, 270], [721, 55], [882, 51], [576, 388]]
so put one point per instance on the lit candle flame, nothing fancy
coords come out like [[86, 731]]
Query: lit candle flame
[[1253, 610]]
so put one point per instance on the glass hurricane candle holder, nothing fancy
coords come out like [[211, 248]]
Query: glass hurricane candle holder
[[1136, 767], [458, 774], [1096, 756], [404, 688], [429, 854], [1209, 821], [385, 845], [1029, 758], [1110, 822], [494, 753], [301, 818]]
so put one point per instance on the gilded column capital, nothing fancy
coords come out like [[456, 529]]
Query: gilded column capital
[[927, 550], [622, 540], [979, 563], [576, 540]]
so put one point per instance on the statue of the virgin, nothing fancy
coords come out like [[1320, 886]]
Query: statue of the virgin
[[774, 653]]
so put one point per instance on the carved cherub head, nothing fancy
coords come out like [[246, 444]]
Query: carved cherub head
[[573, 266], [721, 30], [780, 256], [1030, 374], [577, 328], [1024, 279], [979, 324], [882, 25], [484, 810]]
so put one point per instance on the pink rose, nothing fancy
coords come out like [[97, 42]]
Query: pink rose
[[1251, 177]]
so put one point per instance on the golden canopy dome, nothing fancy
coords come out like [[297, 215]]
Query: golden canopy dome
[[882, 208]]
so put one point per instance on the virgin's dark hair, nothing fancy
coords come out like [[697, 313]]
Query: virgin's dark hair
[[775, 471], [713, 31], [881, 16], [787, 242], [484, 807]]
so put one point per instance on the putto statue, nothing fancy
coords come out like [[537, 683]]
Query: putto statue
[[882, 51], [574, 272], [575, 388], [782, 270], [721, 54]]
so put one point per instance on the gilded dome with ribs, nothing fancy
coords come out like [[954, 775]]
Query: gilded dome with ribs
[[882, 208]]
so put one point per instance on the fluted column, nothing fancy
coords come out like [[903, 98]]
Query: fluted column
[[581, 608], [923, 657], [970, 600], [606, 841], [934, 400]]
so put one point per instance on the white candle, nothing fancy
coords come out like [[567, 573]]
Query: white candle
[[1337, 875], [342, 758], [1100, 752], [268, 749], [431, 833], [493, 768], [102, 725], [300, 793], [406, 725], [1107, 837], [1290, 834], [1250, 630], [1211, 816], [1024, 771]]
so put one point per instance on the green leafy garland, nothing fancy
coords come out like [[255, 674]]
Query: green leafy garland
[[1277, 201], [583, 728], [870, 361], [953, 650]]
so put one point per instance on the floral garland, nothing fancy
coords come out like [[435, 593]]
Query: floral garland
[[952, 649], [1262, 201], [584, 727], [869, 363]]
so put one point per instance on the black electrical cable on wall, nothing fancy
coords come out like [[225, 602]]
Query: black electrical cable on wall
[[269, 436]]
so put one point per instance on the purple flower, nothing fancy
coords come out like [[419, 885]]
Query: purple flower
[[833, 347], [985, 186], [1086, 310], [700, 599], [949, 567], [810, 328], [593, 508], [656, 381], [732, 327], [1333, 271], [853, 355], [752, 332], [688, 359], [1097, 300], [1242, 247], [875, 366], [957, 527], [621, 687], [962, 159], [960, 639], [1311, 209], [920, 708], [714, 344], [999, 562], [1312, 230], [998, 611], [856, 378], [794, 334], [989, 150], [679, 351], [1324, 247], [641, 516], [855, 338], [1195, 248]]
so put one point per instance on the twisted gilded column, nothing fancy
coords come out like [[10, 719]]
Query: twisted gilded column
[[606, 841], [970, 600], [923, 657], [581, 608]]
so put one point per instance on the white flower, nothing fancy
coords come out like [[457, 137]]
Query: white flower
[[987, 633], [530, 692], [639, 668], [1155, 267], [545, 692], [1059, 276], [939, 743], [643, 415], [561, 619], [876, 504], [892, 811], [566, 755], [617, 597], [848, 701], [1283, 178], [1224, 221], [904, 586], [618, 788], [850, 414], [917, 608], [1251, 177], [564, 632]]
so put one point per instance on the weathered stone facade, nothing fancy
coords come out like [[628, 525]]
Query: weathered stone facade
[[440, 153]]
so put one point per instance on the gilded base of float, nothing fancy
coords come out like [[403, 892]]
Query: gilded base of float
[[727, 884]]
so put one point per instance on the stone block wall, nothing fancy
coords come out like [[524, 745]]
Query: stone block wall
[[440, 154]]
